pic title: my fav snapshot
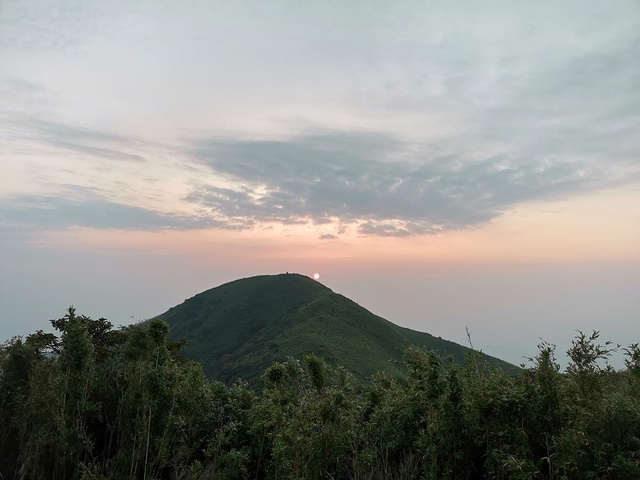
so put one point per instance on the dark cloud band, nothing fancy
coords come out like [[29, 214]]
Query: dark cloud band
[[374, 181]]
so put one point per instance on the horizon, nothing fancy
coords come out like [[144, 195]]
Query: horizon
[[444, 166]]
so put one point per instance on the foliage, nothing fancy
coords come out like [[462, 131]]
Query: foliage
[[92, 402]]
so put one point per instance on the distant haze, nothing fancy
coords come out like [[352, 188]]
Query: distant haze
[[444, 164]]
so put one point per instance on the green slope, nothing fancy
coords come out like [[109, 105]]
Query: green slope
[[240, 328]]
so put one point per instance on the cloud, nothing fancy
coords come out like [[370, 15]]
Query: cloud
[[85, 141], [26, 214], [391, 188], [328, 236], [420, 118], [20, 95], [67, 26], [96, 151], [394, 229]]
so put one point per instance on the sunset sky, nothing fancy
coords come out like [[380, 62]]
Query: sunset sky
[[444, 164]]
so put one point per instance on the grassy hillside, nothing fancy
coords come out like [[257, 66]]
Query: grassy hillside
[[238, 329]]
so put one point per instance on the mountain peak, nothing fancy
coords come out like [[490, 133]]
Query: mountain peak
[[238, 329]]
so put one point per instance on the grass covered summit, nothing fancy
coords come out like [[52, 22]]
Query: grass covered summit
[[240, 328]]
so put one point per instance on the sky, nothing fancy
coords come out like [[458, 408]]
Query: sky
[[444, 164]]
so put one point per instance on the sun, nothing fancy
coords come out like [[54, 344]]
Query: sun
[[316, 276]]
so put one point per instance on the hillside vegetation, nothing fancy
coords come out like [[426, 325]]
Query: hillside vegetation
[[240, 328], [94, 403]]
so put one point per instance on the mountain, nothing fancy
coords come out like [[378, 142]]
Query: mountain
[[238, 329]]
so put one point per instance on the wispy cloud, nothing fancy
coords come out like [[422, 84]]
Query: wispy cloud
[[29, 214], [84, 141]]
